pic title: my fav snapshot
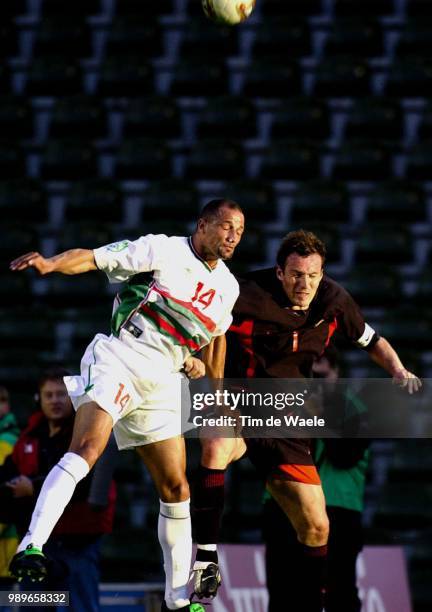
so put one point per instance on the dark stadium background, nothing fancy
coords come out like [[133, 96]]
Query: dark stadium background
[[122, 117]]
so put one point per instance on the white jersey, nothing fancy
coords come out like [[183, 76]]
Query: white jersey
[[178, 305]]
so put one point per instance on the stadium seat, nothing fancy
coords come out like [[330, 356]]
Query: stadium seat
[[282, 37], [348, 8], [416, 38], [84, 330], [29, 333], [409, 78], [374, 285], [12, 8], [423, 295], [15, 241], [251, 251], [64, 160], [360, 36], [153, 117], [121, 77], [424, 132], [375, 118], [384, 243], [195, 77], [418, 8], [418, 164], [404, 506], [54, 76], [84, 235], [408, 326], [77, 7], [215, 160], [342, 76], [78, 291], [94, 200], [290, 161], [69, 37], [23, 199], [143, 159], [320, 200], [270, 78], [303, 118], [78, 117], [9, 40], [398, 200], [362, 161], [16, 120], [5, 78], [279, 8], [230, 117], [175, 199], [257, 198], [19, 289], [149, 8], [205, 39], [134, 35], [12, 160]]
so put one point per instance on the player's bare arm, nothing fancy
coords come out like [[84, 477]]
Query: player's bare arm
[[74, 261], [385, 356], [214, 357]]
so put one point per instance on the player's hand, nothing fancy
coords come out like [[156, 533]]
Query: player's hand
[[32, 260], [194, 368], [21, 486], [405, 379]]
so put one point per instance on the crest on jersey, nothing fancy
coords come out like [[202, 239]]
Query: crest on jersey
[[117, 246]]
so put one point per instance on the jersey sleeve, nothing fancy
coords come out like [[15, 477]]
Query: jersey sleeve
[[352, 324], [121, 260], [226, 320]]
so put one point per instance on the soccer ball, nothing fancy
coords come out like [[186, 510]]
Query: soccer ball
[[229, 12]]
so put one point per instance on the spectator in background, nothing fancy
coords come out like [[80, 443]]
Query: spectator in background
[[9, 433], [73, 547], [342, 465]]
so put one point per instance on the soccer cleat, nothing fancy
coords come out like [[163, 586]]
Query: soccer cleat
[[192, 607], [30, 563], [207, 580]]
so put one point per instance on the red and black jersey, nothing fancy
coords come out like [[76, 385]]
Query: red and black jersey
[[269, 339]]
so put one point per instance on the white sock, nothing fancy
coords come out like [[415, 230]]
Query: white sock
[[54, 496], [175, 537]]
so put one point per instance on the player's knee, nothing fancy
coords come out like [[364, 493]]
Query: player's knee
[[315, 532], [217, 454], [88, 450], [173, 490]]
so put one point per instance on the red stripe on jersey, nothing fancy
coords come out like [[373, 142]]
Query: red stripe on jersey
[[307, 474], [206, 321], [332, 328], [244, 331], [170, 329]]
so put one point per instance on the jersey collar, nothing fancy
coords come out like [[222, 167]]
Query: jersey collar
[[198, 256]]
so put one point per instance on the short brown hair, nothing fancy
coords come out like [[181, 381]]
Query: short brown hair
[[303, 243], [212, 208]]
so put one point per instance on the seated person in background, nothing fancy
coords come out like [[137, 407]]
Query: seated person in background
[[74, 544], [342, 465]]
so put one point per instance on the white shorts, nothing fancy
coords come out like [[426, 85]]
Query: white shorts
[[139, 391]]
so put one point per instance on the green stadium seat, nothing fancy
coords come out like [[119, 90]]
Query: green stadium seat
[[12, 160], [362, 161], [149, 8], [29, 333], [384, 243], [348, 8], [12, 8], [268, 77], [291, 161], [418, 8], [54, 76], [85, 236], [279, 8], [67, 159], [134, 35], [375, 118], [143, 158], [342, 76], [360, 36], [303, 118], [321, 200], [175, 199], [17, 287], [23, 199], [418, 163], [409, 328], [423, 295], [153, 117], [214, 159], [5, 78], [230, 117], [78, 292], [125, 77], [411, 462], [257, 198], [195, 77], [77, 7], [16, 119], [282, 37], [205, 39], [57, 36], [424, 132], [9, 41], [416, 38], [404, 506], [94, 200], [409, 77], [374, 284], [78, 117], [399, 200]]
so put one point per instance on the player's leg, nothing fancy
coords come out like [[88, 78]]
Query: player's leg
[[166, 462], [92, 428], [209, 498]]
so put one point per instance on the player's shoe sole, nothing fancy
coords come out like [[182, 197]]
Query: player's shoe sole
[[207, 581], [30, 563]]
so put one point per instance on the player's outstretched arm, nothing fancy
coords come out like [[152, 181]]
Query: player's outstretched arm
[[74, 261], [385, 356]]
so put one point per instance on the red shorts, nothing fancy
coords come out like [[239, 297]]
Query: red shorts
[[283, 458]]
